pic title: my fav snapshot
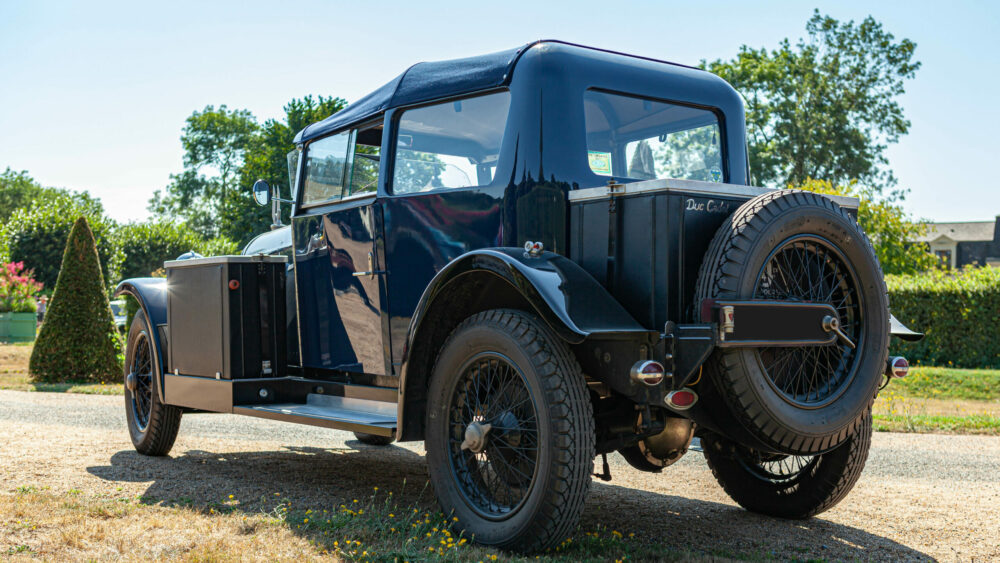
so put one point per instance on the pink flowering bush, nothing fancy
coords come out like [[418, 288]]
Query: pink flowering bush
[[17, 289]]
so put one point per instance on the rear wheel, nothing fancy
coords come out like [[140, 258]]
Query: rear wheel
[[510, 432], [799, 246], [152, 425], [788, 486]]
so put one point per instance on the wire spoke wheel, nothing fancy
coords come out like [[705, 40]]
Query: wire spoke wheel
[[141, 368], [775, 468], [492, 402], [810, 269]]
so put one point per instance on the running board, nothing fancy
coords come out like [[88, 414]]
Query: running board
[[328, 411]]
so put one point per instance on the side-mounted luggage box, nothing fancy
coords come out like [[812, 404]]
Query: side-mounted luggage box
[[226, 319]]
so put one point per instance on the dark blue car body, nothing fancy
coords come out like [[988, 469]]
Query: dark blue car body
[[377, 280], [414, 237]]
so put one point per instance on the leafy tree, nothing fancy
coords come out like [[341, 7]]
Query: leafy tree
[[78, 340], [266, 158], [886, 224], [214, 140], [18, 190], [235, 152], [37, 236], [826, 107], [191, 197]]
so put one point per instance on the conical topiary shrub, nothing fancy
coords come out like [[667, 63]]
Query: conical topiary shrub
[[78, 340]]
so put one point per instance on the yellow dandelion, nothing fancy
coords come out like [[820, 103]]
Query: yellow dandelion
[[231, 497]]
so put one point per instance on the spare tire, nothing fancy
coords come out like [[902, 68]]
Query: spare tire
[[792, 245]]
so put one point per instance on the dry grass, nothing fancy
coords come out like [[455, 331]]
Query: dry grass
[[72, 526], [14, 375], [896, 411]]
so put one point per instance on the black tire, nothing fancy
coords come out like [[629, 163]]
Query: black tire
[[373, 439], [524, 490], [152, 425], [795, 245], [788, 486]]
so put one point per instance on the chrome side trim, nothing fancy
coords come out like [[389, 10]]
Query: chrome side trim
[[230, 259], [693, 187]]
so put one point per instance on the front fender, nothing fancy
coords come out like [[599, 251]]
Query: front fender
[[563, 294], [151, 294]]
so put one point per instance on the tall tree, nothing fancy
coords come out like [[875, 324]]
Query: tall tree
[[886, 224], [225, 152], [215, 141], [266, 158], [825, 107]]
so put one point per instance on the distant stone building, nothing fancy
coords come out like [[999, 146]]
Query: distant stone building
[[961, 244]]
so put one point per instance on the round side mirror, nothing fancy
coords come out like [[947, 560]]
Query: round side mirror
[[261, 192]]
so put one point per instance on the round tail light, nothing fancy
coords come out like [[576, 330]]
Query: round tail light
[[648, 372], [682, 399], [898, 367]]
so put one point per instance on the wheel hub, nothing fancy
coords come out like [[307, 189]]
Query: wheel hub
[[130, 382], [475, 436]]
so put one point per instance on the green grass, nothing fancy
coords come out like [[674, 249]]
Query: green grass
[[950, 383], [21, 382], [971, 424]]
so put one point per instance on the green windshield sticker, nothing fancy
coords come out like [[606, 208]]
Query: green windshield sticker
[[600, 162]]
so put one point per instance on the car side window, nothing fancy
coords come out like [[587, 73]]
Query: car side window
[[365, 161], [325, 167], [454, 144], [644, 139]]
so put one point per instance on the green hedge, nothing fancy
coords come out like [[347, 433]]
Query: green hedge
[[959, 312], [145, 246]]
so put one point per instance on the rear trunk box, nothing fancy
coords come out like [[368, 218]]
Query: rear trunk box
[[648, 251]]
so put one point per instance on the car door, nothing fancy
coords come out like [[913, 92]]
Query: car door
[[338, 274]]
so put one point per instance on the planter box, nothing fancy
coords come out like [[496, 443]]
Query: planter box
[[18, 327]]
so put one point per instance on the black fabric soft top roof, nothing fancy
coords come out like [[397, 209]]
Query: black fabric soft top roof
[[420, 83]]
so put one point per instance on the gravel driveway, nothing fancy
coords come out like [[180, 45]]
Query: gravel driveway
[[921, 496]]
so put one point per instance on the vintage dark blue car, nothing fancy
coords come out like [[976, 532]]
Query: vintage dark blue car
[[528, 259]]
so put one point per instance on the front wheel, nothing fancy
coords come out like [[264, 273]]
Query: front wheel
[[509, 432], [789, 486], [152, 425]]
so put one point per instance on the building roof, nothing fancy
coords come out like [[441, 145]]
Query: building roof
[[428, 81], [959, 232]]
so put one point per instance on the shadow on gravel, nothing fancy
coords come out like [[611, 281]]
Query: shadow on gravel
[[324, 478], [729, 531]]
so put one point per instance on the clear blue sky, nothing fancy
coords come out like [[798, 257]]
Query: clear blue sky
[[94, 94]]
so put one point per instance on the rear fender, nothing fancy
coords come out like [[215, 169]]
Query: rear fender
[[897, 328], [568, 299], [151, 294]]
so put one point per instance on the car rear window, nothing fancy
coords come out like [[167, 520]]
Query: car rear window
[[643, 139]]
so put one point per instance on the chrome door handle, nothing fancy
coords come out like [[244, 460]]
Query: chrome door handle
[[371, 268]]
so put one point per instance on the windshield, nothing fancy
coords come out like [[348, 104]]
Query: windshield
[[293, 169]]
